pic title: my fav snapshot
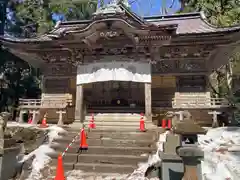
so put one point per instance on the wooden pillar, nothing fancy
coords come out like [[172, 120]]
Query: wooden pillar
[[215, 120], [79, 104], [60, 116], [148, 101]]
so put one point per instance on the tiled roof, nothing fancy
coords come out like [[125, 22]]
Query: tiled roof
[[189, 23]]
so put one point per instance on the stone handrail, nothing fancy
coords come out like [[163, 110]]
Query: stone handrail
[[40, 103], [196, 102]]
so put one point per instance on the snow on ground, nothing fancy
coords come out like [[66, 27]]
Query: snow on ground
[[221, 153], [41, 154], [138, 174]]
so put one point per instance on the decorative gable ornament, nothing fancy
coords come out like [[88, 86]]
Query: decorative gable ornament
[[109, 9]]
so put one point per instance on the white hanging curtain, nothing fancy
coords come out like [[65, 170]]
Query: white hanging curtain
[[114, 71]]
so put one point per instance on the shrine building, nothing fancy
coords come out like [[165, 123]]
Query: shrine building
[[117, 62]]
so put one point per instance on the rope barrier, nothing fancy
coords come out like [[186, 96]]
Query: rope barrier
[[70, 144]]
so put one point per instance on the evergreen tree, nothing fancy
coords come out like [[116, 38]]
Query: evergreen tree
[[219, 12]]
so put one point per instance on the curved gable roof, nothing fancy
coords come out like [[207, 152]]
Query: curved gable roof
[[188, 23]]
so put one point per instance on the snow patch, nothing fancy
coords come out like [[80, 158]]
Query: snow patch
[[41, 154], [221, 153], [40, 161], [139, 173]]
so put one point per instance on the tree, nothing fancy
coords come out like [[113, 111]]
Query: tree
[[26, 19], [21, 81], [219, 12], [33, 17]]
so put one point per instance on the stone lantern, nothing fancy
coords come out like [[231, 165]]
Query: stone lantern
[[188, 150]]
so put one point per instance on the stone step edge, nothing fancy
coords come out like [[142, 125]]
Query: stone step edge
[[113, 147], [95, 164], [84, 174], [114, 128], [153, 149], [104, 155], [64, 139], [107, 134], [104, 165]]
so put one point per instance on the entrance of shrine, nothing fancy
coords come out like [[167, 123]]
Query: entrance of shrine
[[115, 96]]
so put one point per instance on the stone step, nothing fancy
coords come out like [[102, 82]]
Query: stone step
[[110, 142], [114, 135], [120, 130], [115, 123], [66, 166], [105, 168], [115, 115], [111, 159], [112, 128], [138, 151], [120, 119], [102, 158], [76, 127]]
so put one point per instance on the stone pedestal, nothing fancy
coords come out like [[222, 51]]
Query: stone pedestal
[[191, 157], [172, 167]]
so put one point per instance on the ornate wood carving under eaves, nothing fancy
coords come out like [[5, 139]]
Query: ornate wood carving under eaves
[[60, 69], [56, 55], [192, 66], [164, 67], [179, 66], [170, 52]]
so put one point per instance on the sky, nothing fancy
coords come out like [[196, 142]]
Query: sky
[[152, 7], [142, 8]]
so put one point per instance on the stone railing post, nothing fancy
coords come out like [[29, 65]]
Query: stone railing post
[[21, 113], [191, 157], [215, 119], [34, 116], [60, 117]]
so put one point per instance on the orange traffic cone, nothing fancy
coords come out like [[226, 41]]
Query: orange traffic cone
[[44, 121], [60, 170], [142, 124], [164, 123], [169, 124], [30, 119], [83, 141], [92, 125]]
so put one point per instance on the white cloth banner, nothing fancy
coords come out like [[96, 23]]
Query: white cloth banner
[[114, 71]]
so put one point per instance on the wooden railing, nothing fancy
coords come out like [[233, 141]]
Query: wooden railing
[[40, 103], [201, 103]]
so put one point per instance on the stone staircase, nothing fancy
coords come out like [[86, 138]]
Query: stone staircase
[[116, 146]]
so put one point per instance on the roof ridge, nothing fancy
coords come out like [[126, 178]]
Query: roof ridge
[[172, 16]]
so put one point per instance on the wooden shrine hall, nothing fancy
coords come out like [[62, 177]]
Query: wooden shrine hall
[[119, 62]]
